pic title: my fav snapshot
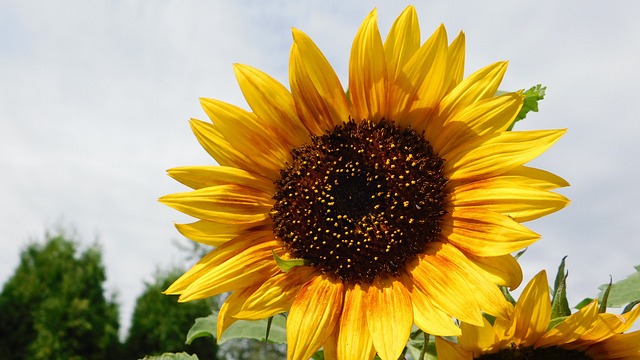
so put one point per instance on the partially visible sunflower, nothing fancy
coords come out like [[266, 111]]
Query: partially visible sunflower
[[403, 199], [585, 334]]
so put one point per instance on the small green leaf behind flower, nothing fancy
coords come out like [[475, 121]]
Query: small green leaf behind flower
[[531, 98], [172, 356], [622, 292], [241, 329]]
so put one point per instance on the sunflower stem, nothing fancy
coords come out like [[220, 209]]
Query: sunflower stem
[[423, 351]]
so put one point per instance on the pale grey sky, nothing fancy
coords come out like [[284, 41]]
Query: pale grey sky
[[95, 98]]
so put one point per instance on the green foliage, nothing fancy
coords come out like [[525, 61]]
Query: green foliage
[[172, 356], [244, 339], [624, 291], [559, 302], [160, 322], [53, 307], [531, 98]]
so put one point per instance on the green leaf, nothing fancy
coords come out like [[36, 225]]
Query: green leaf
[[173, 356], [583, 303], [286, 265], [414, 348], [203, 326], [507, 294], [531, 98], [605, 297], [624, 291], [559, 303], [241, 329]]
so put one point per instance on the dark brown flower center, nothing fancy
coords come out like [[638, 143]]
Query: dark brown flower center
[[361, 200], [529, 353]]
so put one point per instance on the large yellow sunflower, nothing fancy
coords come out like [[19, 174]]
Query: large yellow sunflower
[[585, 334], [403, 198]]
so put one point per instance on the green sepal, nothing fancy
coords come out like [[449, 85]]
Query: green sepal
[[624, 291], [555, 321], [559, 303], [630, 306], [507, 294], [583, 303], [286, 265], [605, 297], [531, 98]]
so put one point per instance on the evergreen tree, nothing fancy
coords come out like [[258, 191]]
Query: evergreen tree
[[54, 307], [160, 323]]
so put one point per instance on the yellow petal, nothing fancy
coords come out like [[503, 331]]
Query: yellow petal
[[197, 177], [450, 351], [621, 346], [426, 316], [313, 316], [480, 85], [223, 152], [485, 233], [368, 71], [571, 328], [495, 154], [215, 234], [502, 270], [316, 89], [403, 41], [250, 266], [230, 307], [389, 317], [480, 118], [227, 204], [610, 324], [354, 341], [455, 62], [217, 256], [477, 339], [272, 103], [533, 311], [417, 86], [534, 177], [518, 201], [276, 294]]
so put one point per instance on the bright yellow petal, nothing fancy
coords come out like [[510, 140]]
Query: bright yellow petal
[[455, 62], [485, 233], [316, 89], [495, 154], [227, 204], [571, 328], [276, 294], [609, 325], [313, 316], [417, 86], [223, 152], [534, 177], [621, 346], [217, 256], [450, 351], [368, 71], [272, 103], [426, 316], [403, 41], [389, 316], [533, 311], [517, 201], [230, 307], [354, 341], [502, 270], [480, 85], [477, 339], [215, 234], [480, 118], [197, 177], [252, 265]]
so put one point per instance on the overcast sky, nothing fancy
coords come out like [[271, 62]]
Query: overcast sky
[[95, 98]]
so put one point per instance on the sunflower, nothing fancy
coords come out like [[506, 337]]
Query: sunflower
[[585, 334], [401, 199]]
